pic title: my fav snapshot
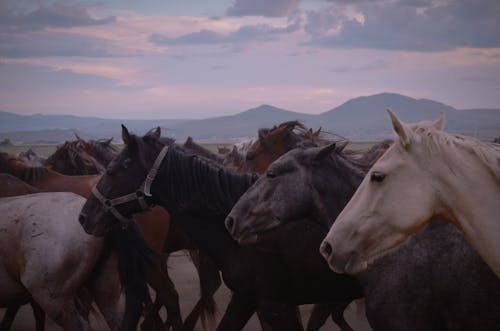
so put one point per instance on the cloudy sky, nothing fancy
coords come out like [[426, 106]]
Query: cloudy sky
[[201, 58]]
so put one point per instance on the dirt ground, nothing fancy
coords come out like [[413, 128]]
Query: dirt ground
[[186, 280]]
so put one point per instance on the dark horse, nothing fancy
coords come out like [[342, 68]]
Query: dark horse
[[199, 195], [435, 281], [80, 157]]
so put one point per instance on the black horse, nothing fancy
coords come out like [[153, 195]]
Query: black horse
[[199, 194], [435, 281]]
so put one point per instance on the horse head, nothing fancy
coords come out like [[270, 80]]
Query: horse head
[[293, 188], [123, 189]]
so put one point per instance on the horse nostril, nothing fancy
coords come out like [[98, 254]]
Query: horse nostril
[[82, 218], [326, 249], [229, 223]]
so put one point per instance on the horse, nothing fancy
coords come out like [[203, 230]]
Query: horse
[[434, 281], [81, 157], [274, 142], [425, 174], [199, 194], [47, 180], [33, 268], [69, 160], [261, 152], [156, 229], [11, 186]]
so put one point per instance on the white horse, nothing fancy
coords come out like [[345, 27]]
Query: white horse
[[45, 254], [427, 173]]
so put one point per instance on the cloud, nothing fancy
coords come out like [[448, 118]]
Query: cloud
[[266, 8], [247, 33], [59, 15], [416, 25], [376, 65], [41, 43]]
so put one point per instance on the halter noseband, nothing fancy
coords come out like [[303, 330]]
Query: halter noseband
[[140, 194]]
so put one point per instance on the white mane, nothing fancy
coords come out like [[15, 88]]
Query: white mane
[[487, 152]]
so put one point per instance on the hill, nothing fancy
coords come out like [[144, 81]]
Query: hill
[[362, 118]]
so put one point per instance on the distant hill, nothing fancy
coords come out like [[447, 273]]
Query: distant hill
[[362, 118], [244, 124]]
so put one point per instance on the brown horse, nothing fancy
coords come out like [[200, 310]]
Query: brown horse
[[274, 142], [82, 157]]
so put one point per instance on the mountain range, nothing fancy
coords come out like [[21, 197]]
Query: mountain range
[[362, 118]]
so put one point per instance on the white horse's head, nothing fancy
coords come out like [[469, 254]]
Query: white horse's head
[[395, 199]]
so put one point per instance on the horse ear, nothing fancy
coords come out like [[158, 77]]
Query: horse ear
[[400, 129], [125, 135], [439, 123], [156, 133], [107, 142], [263, 133], [325, 151]]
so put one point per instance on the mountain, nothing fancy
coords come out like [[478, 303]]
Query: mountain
[[244, 124], [362, 118], [92, 127], [366, 116]]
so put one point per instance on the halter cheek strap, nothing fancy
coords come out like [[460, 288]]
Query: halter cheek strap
[[139, 195]]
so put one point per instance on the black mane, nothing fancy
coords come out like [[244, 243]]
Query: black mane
[[194, 182]]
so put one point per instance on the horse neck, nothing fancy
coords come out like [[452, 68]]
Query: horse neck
[[53, 182], [470, 199], [188, 183]]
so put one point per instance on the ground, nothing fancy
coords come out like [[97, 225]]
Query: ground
[[185, 278]]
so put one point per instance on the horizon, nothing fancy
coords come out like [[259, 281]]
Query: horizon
[[237, 111], [192, 60]]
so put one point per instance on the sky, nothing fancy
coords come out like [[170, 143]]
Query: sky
[[202, 58]]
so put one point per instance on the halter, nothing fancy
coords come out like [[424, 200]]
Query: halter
[[140, 194]]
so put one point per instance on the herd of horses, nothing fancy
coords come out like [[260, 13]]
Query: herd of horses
[[296, 218]]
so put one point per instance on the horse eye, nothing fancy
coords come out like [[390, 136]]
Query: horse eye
[[377, 176], [270, 174]]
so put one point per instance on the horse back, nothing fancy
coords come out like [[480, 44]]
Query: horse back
[[12, 186]]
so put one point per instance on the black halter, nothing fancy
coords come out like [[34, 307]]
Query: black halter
[[140, 194]]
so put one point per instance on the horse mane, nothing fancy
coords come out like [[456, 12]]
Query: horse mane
[[68, 151], [200, 150], [11, 165], [300, 136], [353, 160], [196, 182], [488, 153], [103, 150]]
